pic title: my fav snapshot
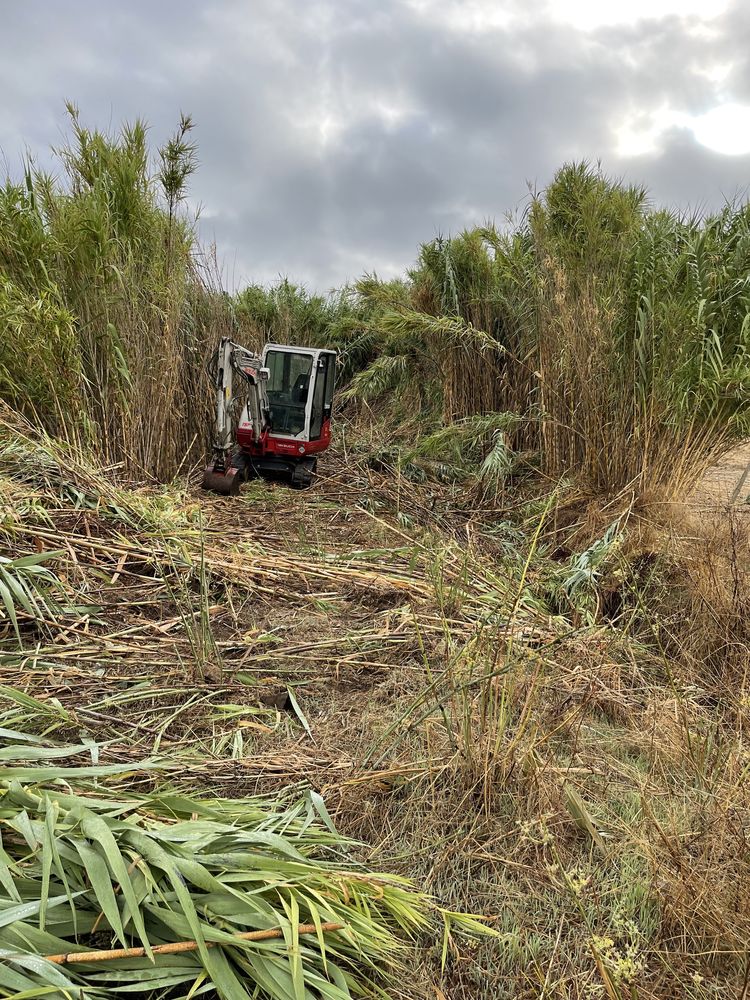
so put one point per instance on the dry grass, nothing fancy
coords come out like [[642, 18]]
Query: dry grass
[[577, 777]]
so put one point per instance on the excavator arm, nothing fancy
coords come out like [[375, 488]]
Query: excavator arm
[[233, 363]]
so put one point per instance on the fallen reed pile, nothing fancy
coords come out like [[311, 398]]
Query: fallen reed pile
[[188, 894], [149, 648], [174, 626]]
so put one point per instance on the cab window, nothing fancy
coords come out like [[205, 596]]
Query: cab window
[[287, 387]]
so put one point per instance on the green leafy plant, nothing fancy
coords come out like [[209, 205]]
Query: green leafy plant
[[28, 587], [82, 872]]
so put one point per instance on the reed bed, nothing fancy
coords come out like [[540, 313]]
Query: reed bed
[[103, 285], [614, 331], [493, 643]]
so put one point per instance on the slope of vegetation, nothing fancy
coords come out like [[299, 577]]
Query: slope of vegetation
[[496, 651]]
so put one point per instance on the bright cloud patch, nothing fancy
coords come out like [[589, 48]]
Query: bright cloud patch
[[724, 129], [588, 15]]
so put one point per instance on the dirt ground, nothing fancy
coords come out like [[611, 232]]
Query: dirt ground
[[729, 480]]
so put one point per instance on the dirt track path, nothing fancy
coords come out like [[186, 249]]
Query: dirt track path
[[729, 481]]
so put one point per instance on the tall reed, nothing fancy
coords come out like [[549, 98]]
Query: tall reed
[[618, 334], [105, 307]]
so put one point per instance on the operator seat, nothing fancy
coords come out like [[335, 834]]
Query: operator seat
[[300, 387]]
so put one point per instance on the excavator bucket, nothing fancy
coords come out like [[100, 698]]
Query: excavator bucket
[[226, 482]]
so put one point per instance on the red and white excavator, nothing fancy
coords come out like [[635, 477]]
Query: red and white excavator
[[273, 414]]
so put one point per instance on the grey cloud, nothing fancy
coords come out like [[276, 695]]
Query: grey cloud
[[686, 175], [335, 135]]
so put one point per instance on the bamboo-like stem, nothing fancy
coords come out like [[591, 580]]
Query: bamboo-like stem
[[179, 946]]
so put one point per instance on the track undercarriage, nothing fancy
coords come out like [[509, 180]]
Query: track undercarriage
[[226, 478]]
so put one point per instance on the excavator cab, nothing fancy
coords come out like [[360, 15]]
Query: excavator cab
[[282, 411], [300, 391]]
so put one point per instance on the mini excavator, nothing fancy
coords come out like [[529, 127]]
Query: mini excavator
[[273, 414]]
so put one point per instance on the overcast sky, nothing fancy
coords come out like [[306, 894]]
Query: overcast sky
[[336, 135]]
